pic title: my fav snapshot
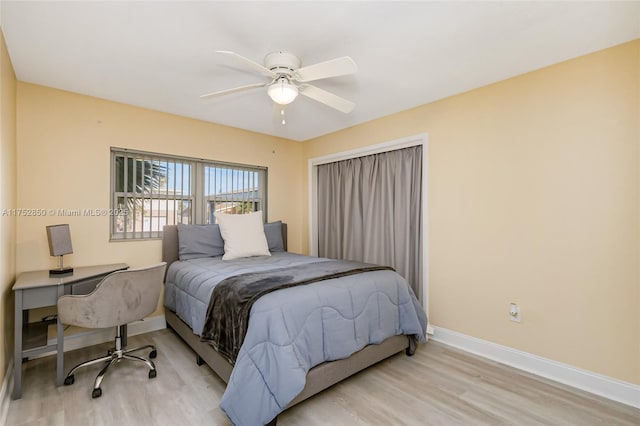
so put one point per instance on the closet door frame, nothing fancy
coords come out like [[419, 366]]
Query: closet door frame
[[420, 139]]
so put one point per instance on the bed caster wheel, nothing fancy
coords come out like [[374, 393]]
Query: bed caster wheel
[[153, 354], [68, 381], [199, 361], [409, 352], [153, 373], [96, 393]]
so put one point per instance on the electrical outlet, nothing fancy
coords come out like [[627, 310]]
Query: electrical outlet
[[514, 312]]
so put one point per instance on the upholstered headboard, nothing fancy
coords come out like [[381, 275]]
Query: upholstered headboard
[[170, 242]]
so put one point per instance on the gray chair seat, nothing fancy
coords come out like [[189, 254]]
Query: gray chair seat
[[119, 299]]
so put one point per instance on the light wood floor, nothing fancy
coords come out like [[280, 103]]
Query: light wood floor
[[437, 386]]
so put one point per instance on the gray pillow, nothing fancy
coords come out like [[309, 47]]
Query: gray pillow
[[273, 232], [196, 241]]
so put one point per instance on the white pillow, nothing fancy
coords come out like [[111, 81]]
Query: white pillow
[[243, 235]]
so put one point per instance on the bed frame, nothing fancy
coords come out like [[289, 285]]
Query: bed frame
[[319, 377]]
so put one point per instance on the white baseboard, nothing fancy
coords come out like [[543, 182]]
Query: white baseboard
[[94, 337], [5, 393], [608, 387]]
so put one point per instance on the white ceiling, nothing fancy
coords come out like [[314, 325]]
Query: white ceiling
[[161, 55]]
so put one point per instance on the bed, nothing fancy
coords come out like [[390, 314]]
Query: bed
[[188, 288]]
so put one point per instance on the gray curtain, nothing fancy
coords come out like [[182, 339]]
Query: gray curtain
[[369, 209]]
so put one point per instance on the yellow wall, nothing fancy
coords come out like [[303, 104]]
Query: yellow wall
[[534, 197], [64, 142], [7, 201]]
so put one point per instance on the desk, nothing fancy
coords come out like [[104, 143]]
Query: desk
[[37, 289]]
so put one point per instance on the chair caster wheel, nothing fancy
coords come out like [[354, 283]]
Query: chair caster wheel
[[153, 354], [153, 373], [96, 393], [69, 380]]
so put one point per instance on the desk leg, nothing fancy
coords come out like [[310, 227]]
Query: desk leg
[[123, 335], [17, 347], [60, 346]]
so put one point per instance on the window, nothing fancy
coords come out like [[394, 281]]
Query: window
[[152, 190]]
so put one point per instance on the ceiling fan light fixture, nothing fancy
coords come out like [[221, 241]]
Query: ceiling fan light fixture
[[282, 91], [287, 79]]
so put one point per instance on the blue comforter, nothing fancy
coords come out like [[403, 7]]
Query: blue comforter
[[292, 330]]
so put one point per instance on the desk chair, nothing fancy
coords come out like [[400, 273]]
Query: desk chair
[[120, 298]]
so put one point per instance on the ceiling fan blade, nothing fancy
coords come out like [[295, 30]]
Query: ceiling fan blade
[[332, 68], [327, 98], [235, 90], [256, 66]]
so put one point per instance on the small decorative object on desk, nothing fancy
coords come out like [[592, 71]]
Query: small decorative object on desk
[[59, 238]]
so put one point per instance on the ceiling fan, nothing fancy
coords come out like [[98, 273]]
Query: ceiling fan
[[287, 79]]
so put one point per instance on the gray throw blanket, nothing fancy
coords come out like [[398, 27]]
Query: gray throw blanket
[[231, 300]]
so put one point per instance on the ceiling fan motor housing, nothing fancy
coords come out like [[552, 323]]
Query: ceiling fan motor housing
[[288, 79], [282, 63]]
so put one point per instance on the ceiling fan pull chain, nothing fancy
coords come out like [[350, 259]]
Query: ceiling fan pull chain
[[282, 114]]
